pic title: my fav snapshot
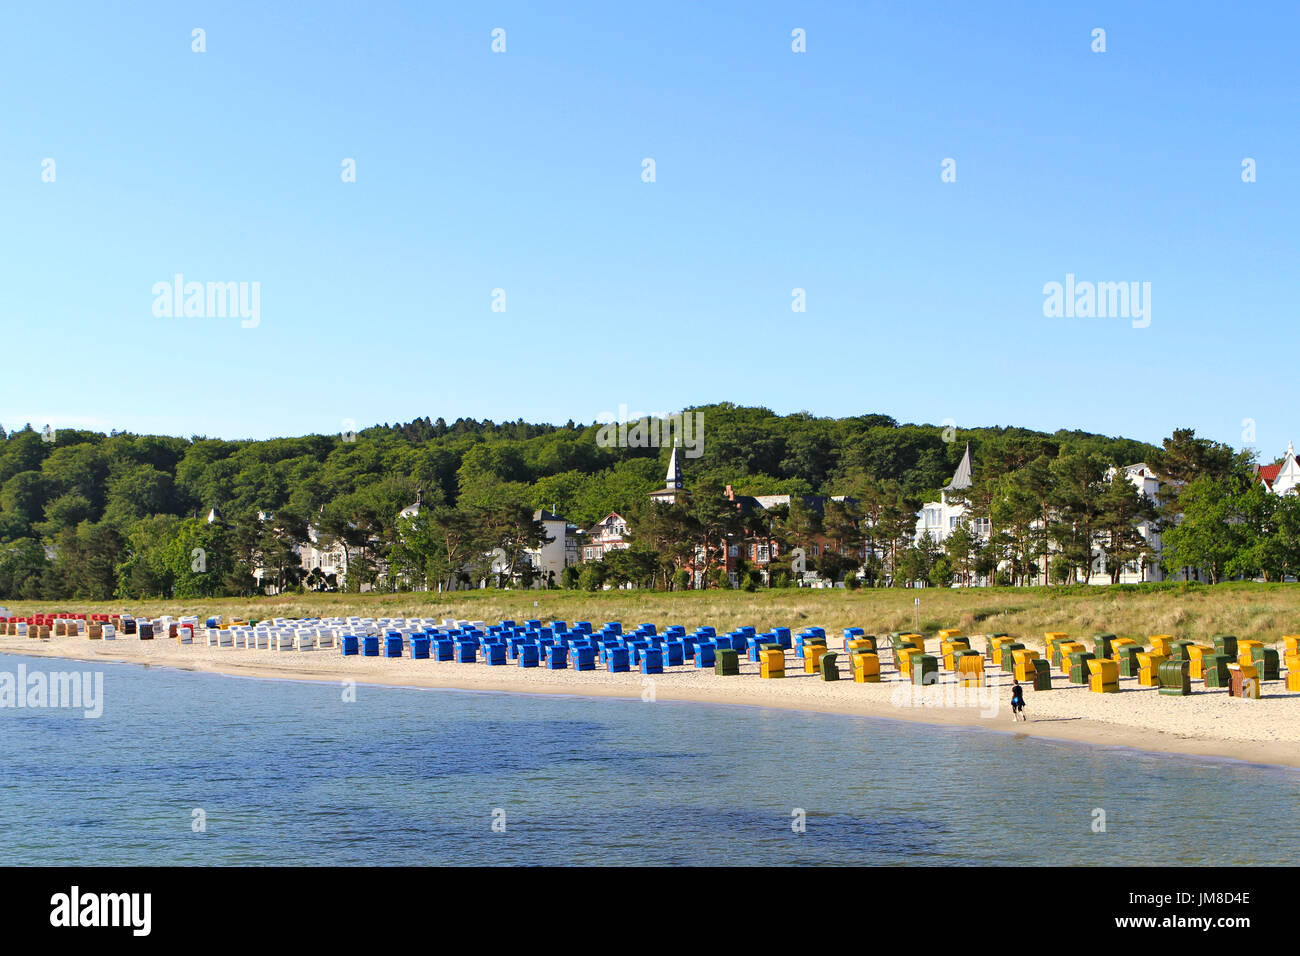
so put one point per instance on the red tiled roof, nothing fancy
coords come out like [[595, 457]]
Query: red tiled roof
[[1267, 473]]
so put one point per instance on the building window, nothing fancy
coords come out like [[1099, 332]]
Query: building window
[[734, 550], [761, 553]]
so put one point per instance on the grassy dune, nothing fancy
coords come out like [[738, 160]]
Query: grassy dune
[[1249, 610]]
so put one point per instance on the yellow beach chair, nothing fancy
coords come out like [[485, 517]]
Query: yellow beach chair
[[1149, 668]]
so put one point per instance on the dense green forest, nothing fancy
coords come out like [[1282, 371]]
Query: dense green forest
[[91, 516]]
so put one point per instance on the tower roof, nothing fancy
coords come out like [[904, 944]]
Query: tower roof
[[961, 478], [674, 478]]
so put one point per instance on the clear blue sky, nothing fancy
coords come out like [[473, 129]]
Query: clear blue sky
[[775, 170]]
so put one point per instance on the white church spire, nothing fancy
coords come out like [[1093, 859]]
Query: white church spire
[[674, 478]]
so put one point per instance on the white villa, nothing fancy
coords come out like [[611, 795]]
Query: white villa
[[606, 535], [940, 518], [1281, 479]]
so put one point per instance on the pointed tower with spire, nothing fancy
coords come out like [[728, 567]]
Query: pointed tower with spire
[[674, 487], [961, 478]]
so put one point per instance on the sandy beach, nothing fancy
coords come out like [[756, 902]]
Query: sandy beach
[[1208, 723]]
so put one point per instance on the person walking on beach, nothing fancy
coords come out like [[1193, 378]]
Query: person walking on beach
[[1017, 700]]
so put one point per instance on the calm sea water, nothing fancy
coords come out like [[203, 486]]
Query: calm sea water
[[288, 773]]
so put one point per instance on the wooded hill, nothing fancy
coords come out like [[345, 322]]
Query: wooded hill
[[121, 513]]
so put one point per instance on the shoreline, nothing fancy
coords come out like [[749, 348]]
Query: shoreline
[[1068, 713]]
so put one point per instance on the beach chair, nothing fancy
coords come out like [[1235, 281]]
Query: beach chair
[[727, 663], [851, 634], [1293, 671], [925, 670], [948, 651], [1266, 661], [904, 659], [1007, 655], [826, 666], [1050, 640], [1022, 661], [1175, 678], [652, 661], [1101, 645], [1149, 667], [1042, 674], [705, 654], [618, 660], [1129, 664], [1214, 670], [1063, 650], [771, 663], [1196, 660], [1078, 665], [1160, 644], [1103, 675], [970, 669], [1243, 681], [866, 667]]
